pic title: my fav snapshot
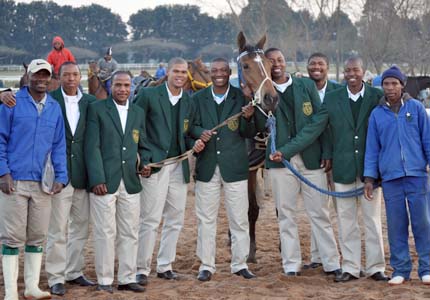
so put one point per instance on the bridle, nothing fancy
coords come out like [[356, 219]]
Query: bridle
[[257, 95], [195, 84]]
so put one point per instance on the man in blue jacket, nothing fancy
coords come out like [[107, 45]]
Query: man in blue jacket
[[398, 152], [31, 133]]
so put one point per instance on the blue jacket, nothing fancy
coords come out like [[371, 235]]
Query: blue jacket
[[397, 145], [26, 139]]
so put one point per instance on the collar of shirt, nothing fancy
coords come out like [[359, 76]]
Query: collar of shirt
[[43, 101], [321, 92], [354, 97], [72, 99], [283, 86], [217, 99], [121, 107], [173, 99]]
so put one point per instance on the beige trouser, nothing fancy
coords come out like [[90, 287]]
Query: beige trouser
[[65, 259], [286, 188], [24, 215], [115, 216], [350, 235], [164, 195], [208, 198]]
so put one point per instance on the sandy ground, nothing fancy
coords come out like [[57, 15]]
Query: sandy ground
[[270, 283]]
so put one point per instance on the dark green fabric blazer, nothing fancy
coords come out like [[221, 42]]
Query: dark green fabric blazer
[[75, 144], [227, 148], [110, 154]]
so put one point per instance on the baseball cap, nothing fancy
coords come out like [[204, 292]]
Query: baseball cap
[[39, 64]]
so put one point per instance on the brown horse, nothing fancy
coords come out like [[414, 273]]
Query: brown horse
[[53, 84], [95, 85], [254, 71]]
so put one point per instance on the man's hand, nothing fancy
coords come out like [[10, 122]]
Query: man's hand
[[198, 146], [145, 171], [326, 164], [6, 184], [368, 191], [276, 157], [56, 188], [8, 99], [248, 111], [206, 135], [100, 189]]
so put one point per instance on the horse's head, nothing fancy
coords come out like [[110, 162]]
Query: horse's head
[[23, 81], [93, 68], [198, 74], [254, 73]]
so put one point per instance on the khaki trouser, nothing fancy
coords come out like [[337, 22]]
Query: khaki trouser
[[350, 235], [24, 215], [208, 198], [115, 216], [164, 195], [286, 188], [65, 258]]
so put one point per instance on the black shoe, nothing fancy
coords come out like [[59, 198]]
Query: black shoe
[[105, 288], [345, 277], [292, 274], [379, 276], [312, 265], [82, 281], [169, 275], [245, 273], [204, 275], [337, 272], [134, 287], [58, 289], [142, 279]]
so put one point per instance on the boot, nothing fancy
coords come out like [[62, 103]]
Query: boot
[[32, 265], [10, 276]]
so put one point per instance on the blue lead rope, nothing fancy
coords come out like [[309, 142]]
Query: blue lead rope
[[271, 124]]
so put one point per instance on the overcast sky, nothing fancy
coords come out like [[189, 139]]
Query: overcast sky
[[125, 8]]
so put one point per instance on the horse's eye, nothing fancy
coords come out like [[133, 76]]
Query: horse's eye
[[245, 66]]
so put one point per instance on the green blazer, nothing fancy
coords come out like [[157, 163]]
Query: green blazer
[[306, 104], [331, 86], [227, 148], [75, 143], [157, 109], [110, 154]]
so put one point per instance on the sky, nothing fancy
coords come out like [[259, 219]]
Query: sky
[[125, 8]]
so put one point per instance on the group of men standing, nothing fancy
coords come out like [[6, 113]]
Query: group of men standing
[[102, 151]]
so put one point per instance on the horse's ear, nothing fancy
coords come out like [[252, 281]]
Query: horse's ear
[[261, 42], [25, 66], [241, 41]]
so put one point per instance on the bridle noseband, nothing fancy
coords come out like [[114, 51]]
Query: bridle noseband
[[195, 84]]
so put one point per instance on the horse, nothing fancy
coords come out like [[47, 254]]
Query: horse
[[53, 84], [254, 71], [95, 85], [416, 84]]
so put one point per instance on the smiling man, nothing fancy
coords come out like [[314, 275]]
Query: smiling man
[[168, 113], [223, 163], [31, 135]]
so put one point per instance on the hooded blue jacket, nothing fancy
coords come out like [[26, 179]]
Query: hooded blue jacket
[[26, 139], [397, 145]]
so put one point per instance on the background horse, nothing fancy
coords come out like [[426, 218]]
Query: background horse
[[53, 84], [95, 85], [416, 84], [254, 71]]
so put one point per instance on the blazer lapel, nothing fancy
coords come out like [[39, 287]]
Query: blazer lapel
[[210, 105], [113, 113], [83, 105], [365, 107], [345, 106], [230, 102], [131, 115], [60, 99], [166, 106]]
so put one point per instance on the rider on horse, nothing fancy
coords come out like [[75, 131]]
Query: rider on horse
[[59, 55], [107, 66]]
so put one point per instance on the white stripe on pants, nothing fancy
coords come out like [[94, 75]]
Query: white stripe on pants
[[65, 259], [208, 198], [115, 216], [164, 195], [286, 188], [350, 235]]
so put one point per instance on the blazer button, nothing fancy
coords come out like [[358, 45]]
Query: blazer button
[[356, 137], [217, 139], [123, 161], [356, 151], [72, 155], [124, 148], [218, 152]]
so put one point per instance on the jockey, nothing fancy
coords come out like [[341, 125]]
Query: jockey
[[59, 55], [107, 66]]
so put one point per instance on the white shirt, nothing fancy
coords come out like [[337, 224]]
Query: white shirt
[[72, 109], [321, 92], [123, 112], [173, 99], [217, 99], [354, 97], [283, 86]]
